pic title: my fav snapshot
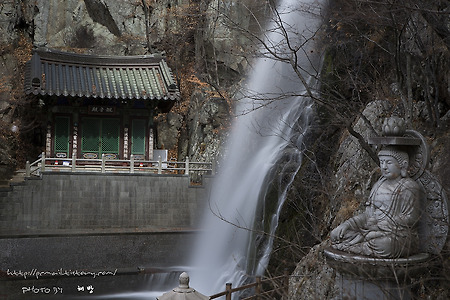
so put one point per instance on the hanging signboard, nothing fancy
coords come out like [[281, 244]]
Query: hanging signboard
[[101, 110]]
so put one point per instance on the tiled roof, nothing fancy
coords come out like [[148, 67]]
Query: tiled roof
[[51, 72]]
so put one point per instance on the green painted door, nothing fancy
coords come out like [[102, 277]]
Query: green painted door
[[62, 136], [100, 136], [138, 133]]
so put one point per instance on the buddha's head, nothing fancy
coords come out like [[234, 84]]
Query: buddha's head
[[393, 163]]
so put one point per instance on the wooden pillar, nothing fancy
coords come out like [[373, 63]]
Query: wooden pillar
[[125, 124], [125, 142], [75, 140], [286, 283], [186, 165], [132, 163], [27, 169], [228, 290], [150, 133], [159, 165], [43, 162], [74, 162], [103, 163], [150, 143], [258, 287], [48, 141]]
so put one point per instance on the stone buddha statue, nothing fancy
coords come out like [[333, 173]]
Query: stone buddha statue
[[404, 223], [388, 226]]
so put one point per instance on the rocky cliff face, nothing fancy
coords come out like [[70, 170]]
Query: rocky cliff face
[[392, 77], [344, 186], [102, 27], [336, 179]]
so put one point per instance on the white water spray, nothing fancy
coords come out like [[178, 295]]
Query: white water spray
[[266, 138], [264, 133]]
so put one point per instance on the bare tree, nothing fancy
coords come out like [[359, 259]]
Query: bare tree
[[394, 50]]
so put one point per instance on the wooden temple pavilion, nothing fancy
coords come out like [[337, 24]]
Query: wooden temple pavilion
[[100, 105]]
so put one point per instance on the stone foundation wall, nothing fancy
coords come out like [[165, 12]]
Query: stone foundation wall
[[95, 251], [116, 258], [88, 222], [76, 201]]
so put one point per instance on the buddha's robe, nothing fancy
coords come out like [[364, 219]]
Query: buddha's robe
[[387, 227]]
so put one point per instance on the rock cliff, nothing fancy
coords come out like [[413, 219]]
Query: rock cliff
[[339, 172]]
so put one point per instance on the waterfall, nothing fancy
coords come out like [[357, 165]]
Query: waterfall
[[265, 147], [266, 138]]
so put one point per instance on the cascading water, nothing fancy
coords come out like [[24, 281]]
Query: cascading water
[[266, 140], [267, 133]]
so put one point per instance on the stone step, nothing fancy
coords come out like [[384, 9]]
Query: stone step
[[18, 177], [4, 190], [4, 183]]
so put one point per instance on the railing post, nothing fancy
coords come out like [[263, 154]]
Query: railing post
[[286, 282], [27, 169], [186, 165], [103, 162], [159, 165], [132, 163], [74, 162], [258, 287], [228, 290], [43, 162]]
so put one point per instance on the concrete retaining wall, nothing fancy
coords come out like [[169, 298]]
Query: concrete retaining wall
[[95, 222], [81, 201], [96, 251], [69, 262]]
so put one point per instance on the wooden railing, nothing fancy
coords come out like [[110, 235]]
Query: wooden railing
[[279, 285], [105, 165]]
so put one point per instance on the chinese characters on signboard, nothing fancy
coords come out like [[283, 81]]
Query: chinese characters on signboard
[[101, 110]]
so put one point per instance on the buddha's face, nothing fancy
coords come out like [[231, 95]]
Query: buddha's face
[[390, 168]]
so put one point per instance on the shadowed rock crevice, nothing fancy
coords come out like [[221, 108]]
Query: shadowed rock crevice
[[99, 12], [83, 37]]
